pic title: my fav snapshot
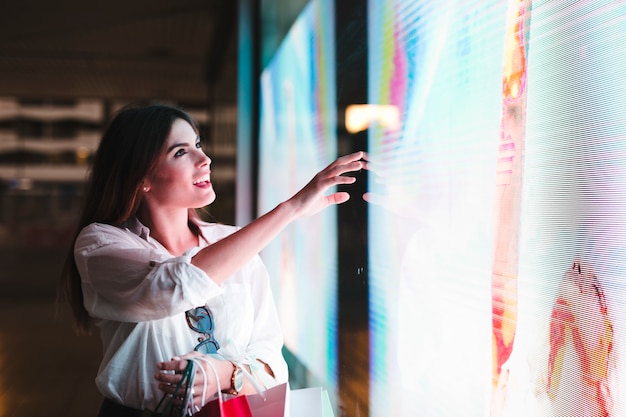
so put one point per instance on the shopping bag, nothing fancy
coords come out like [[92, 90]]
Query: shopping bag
[[233, 407], [272, 402], [310, 402], [281, 401], [327, 408], [219, 407]]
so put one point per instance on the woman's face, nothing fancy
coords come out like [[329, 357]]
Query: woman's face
[[181, 178]]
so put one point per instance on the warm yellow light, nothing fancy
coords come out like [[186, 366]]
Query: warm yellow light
[[360, 116], [357, 118]]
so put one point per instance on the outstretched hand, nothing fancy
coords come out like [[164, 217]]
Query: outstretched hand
[[311, 199], [223, 258]]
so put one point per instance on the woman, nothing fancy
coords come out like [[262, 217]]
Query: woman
[[158, 282]]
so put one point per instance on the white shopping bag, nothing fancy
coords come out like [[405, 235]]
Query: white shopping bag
[[310, 402]]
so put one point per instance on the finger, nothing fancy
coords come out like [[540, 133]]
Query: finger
[[173, 365], [346, 159], [337, 198], [178, 402], [199, 383], [167, 388], [342, 179], [355, 156], [336, 180], [168, 378], [172, 389], [341, 169]]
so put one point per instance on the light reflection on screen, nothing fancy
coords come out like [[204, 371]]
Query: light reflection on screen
[[497, 232]]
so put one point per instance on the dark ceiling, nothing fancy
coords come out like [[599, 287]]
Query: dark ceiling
[[182, 50]]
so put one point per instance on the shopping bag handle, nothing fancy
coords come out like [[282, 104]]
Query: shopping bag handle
[[220, 398], [253, 381], [185, 382], [255, 384]]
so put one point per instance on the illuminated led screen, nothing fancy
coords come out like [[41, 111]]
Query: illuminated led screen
[[298, 139], [498, 216]]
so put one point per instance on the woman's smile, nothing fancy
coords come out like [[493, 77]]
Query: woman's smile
[[203, 182]]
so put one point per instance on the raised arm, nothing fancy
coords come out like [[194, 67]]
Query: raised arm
[[223, 258]]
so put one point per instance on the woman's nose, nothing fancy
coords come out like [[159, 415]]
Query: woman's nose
[[204, 159]]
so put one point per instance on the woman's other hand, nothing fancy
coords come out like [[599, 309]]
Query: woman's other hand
[[170, 373]]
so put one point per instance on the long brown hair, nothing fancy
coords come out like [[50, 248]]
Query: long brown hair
[[128, 152]]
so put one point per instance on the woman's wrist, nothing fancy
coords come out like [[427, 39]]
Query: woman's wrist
[[287, 210], [235, 385], [224, 370]]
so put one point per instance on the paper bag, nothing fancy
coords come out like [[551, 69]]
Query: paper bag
[[234, 407], [310, 402], [275, 403], [281, 401]]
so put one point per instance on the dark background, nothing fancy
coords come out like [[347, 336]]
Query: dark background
[[57, 56]]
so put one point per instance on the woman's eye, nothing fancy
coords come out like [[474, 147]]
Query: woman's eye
[[179, 152], [198, 145]]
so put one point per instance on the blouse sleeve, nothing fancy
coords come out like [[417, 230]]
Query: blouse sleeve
[[125, 279], [266, 340]]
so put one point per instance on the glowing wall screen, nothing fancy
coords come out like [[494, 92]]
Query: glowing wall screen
[[297, 139], [498, 223]]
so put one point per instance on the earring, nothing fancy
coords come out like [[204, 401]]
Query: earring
[[146, 189]]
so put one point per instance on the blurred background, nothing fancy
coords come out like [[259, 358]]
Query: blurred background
[[484, 277], [65, 68]]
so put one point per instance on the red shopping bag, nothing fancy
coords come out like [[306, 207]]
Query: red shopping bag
[[278, 401], [234, 407], [272, 402]]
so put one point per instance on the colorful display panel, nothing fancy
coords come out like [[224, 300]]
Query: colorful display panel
[[498, 216], [297, 139]]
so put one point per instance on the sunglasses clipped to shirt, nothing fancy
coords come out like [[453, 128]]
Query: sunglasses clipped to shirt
[[200, 319]]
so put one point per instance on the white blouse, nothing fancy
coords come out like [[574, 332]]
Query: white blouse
[[137, 293]]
